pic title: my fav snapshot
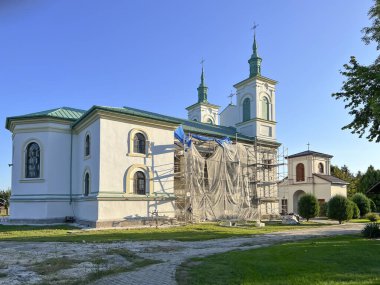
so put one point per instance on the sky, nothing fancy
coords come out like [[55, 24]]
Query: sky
[[146, 54]]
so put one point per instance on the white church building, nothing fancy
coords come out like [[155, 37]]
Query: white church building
[[107, 165]]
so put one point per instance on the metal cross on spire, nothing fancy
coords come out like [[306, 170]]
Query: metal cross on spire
[[308, 146], [202, 61], [254, 27], [232, 94]]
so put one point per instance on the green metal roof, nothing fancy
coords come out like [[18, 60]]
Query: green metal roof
[[77, 115], [188, 125], [64, 113]]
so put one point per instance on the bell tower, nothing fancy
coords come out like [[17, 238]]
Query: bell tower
[[256, 101], [203, 111]]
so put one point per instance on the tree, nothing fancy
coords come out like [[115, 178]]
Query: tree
[[369, 178], [5, 195], [345, 174], [308, 206], [362, 202], [361, 89], [339, 209]]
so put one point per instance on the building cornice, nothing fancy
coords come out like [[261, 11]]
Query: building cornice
[[11, 123], [252, 79], [202, 104], [254, 120]]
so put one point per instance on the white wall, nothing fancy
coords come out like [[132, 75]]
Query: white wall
[[203, 112], [229, 117], [116, 159], [86, 207], [53, 185]]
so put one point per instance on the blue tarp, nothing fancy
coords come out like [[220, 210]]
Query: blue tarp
[[179, 134]]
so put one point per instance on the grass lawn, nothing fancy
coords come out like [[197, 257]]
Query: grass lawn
[[196, 232], [360, 221], [337, 260]]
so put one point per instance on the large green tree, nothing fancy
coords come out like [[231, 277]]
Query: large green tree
[[361, 88], [345, 174], [368, 179]]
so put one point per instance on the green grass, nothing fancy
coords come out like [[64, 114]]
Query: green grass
[[360, 221], [53, 265], [137, 262], [196, 232], [337, 260]]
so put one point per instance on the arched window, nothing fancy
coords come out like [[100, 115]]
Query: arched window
[[32, 161], [86, 184], [246, 109], [139, 143], [87, 145], [209, 121], [320, 168], [139, 183], [265, 112], [300, 172]]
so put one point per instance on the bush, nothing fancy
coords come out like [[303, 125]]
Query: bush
[[355, 210], [323, 210], [339, 209], [373, 217], [371, 230], [372, 205], [308, 206], [363, 203], [4, 198]]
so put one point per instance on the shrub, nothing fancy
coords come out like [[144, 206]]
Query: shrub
[[4, 197], [323, 210], [363, 203], [355, 210], [373, 217], [308, 206], [371, 230], [372, 205], [339, 209]]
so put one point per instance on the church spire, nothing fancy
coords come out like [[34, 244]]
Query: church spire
[[255, 60], [202, 89]]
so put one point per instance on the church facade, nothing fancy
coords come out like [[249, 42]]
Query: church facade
[[309, 173], [107, 165]]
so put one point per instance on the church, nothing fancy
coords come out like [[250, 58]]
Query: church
[[113, 166], [309, 172]]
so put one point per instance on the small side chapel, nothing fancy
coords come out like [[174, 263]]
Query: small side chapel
[[308, 172], [108, 166]]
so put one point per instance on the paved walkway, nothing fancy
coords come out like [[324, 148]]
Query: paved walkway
[[173, 253]]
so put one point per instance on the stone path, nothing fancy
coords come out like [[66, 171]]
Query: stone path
[[173, 253]]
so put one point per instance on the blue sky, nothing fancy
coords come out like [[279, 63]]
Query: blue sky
[[146, 54]]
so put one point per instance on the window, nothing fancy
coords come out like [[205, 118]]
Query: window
[[139, 183], [139, 143], [86, 184], [267, 163], [209, 121], [246, 109], [320, 168], [265, 109], [284, 206], [32, 161], [87, 144], [300, 172]]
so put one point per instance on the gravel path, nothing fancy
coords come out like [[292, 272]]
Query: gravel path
[[164, 273], [170, 253]]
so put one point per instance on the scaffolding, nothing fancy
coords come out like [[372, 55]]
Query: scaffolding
[[235, 182]]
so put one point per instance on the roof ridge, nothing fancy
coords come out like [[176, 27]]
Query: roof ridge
[[181, 119]]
